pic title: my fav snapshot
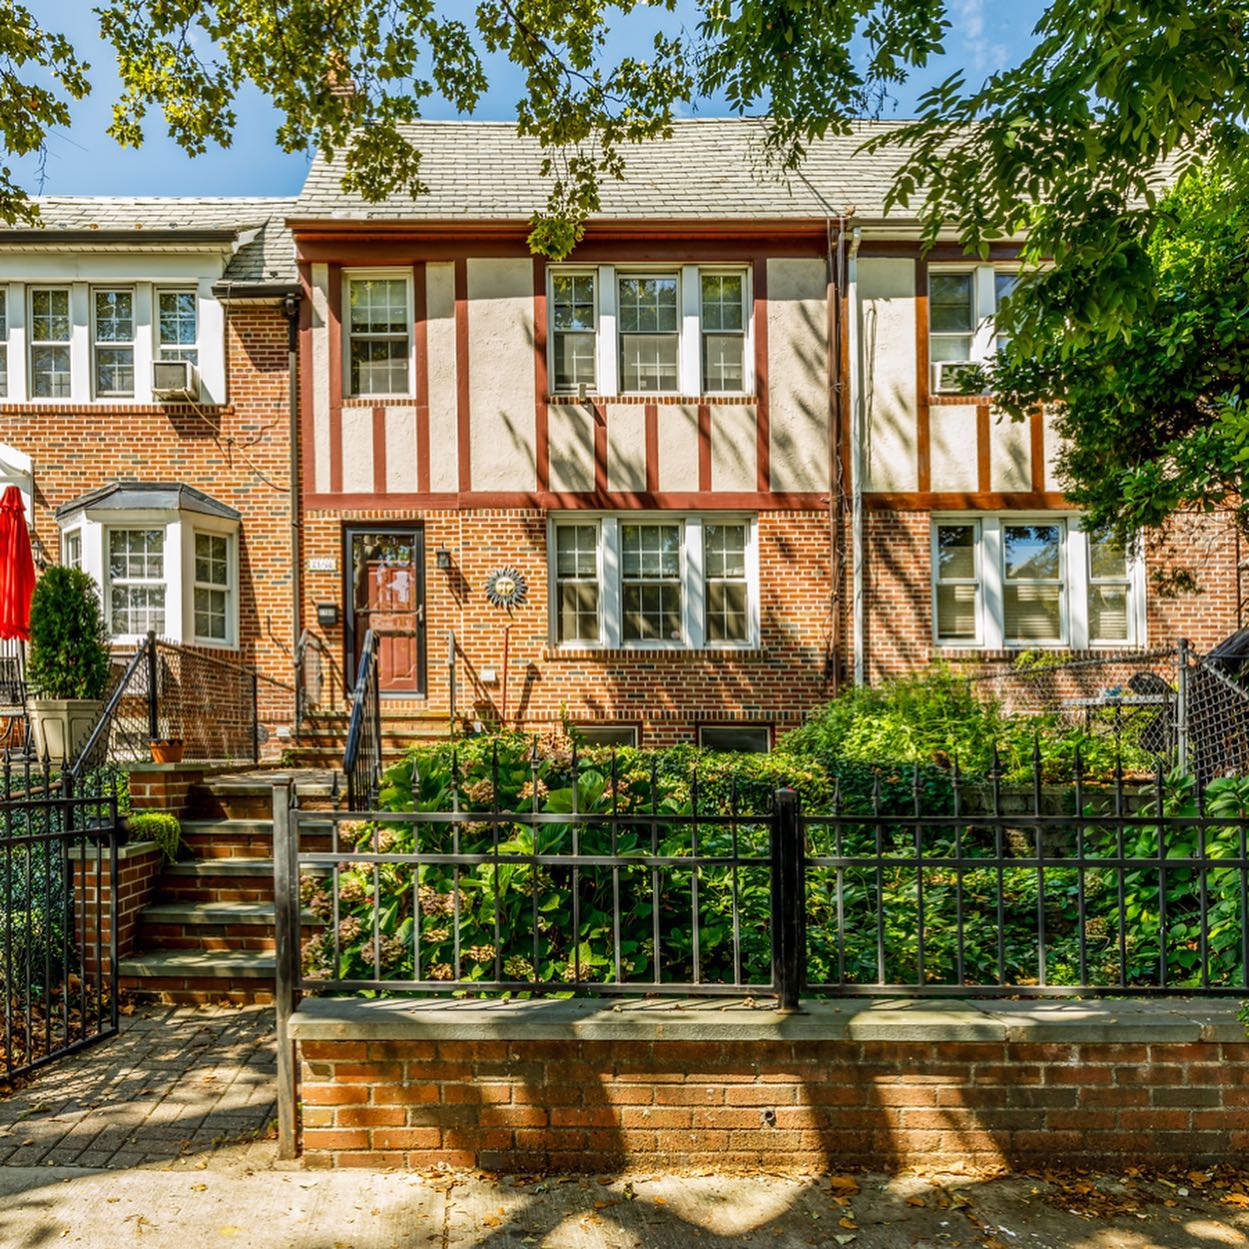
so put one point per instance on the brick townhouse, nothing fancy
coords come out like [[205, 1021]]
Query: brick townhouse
[[680, 487], [144, 414]]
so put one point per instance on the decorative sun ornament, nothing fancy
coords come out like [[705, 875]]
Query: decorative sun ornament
[[505, 587]]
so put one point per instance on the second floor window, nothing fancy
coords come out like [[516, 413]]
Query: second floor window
[[49, 343], [4, 343], [650, 336], [113, 335], [177, 326], [378, 329], [952, 315], [574, 323], [724, 332]]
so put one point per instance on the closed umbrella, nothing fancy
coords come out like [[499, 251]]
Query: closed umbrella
[[17, 567]]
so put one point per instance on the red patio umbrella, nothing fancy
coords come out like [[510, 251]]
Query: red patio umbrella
[[17, 567]]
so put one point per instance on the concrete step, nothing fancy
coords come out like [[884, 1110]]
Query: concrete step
[[200, 868], [178, 976], [215, 913]]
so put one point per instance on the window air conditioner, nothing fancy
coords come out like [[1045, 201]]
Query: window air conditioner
[[947, 375], [174, 379]]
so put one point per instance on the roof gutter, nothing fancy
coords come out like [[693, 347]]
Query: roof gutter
[[50, 236], [251, 292]]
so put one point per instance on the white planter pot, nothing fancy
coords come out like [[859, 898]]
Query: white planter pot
[[60, 726]]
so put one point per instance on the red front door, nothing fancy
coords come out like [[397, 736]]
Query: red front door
[[386, 580]]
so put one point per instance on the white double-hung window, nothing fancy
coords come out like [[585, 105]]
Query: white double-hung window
[[177, 325], [378, 325], [646, 581], [962, 305], [112, 326], [624, 330], [49, 342], [1017, 582]]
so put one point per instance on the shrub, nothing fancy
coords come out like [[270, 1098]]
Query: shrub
[[69, 655], [162, 827]]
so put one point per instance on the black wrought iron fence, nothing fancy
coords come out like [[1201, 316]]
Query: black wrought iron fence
[[58, 918], [936, 884]]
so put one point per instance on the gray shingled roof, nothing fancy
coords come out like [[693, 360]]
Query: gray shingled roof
[[712, 168], [268, 257], [156, 496]]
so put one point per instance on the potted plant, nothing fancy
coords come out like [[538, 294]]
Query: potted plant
[[68, 665], [166, 749]]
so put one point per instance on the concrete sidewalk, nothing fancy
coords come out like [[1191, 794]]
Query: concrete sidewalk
[[246, 1208]]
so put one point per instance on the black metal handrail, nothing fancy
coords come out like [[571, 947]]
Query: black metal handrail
[[362, 755], [96, 747]]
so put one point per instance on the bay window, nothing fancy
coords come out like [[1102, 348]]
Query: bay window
[[1018, 582], [654, 581], [212, 587], [379, 328], [136, 581]]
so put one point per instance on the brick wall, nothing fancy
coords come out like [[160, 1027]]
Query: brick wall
[[667, 692], [236, 453], [594, 1105], [138, 868]]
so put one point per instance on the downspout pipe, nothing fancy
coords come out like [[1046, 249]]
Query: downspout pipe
[[291, 308], [858, 399]]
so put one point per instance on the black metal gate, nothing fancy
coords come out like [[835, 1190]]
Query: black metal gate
[[58, 914]]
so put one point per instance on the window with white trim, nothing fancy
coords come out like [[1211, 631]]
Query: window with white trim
[[951, 315], [574, 330], [212, 587], [177, 325], [1004, 283], [654, 581], [136, 581], [112, 333], [724, 317], [71, 548], [648, 314], [628, 330], [4, 343], [956, 573], [651, 582], [1109, 591], [379, 335], [577, 582], [1033, 585], [49, 343], [1020, 581]]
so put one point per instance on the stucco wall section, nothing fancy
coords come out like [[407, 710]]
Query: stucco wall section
[[570, 433], [440, 341], [1053, 445], [501, 374], [952, 434], [357, 450], [320, 379], [401, 449], [798, 374], [626, 446], [734, 449], [678, 447], [887, 298], [1010, 459]]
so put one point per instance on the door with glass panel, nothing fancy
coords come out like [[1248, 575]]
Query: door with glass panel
[[386, 593]]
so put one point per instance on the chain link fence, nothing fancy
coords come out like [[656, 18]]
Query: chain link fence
[[1174, 703]]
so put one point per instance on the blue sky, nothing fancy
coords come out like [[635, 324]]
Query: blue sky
[[83, 160]]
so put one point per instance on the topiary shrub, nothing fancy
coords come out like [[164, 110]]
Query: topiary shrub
[[162, 827], [69, 656]]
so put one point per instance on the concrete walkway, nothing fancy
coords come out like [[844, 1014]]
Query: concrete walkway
[[159, 1138]]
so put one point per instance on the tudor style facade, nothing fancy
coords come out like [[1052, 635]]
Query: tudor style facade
[[718, 452]]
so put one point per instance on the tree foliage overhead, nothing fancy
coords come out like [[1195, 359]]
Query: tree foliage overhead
[[1156, 421]]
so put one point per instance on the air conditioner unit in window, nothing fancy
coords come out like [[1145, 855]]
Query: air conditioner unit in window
[[947, 375], [174, 379]]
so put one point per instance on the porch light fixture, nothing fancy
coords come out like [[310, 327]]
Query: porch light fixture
[[442, 557]]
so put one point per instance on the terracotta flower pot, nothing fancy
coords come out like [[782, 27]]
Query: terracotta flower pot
[[166, 749]]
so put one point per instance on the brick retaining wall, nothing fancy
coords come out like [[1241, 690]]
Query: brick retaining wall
[[877, 1085]]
